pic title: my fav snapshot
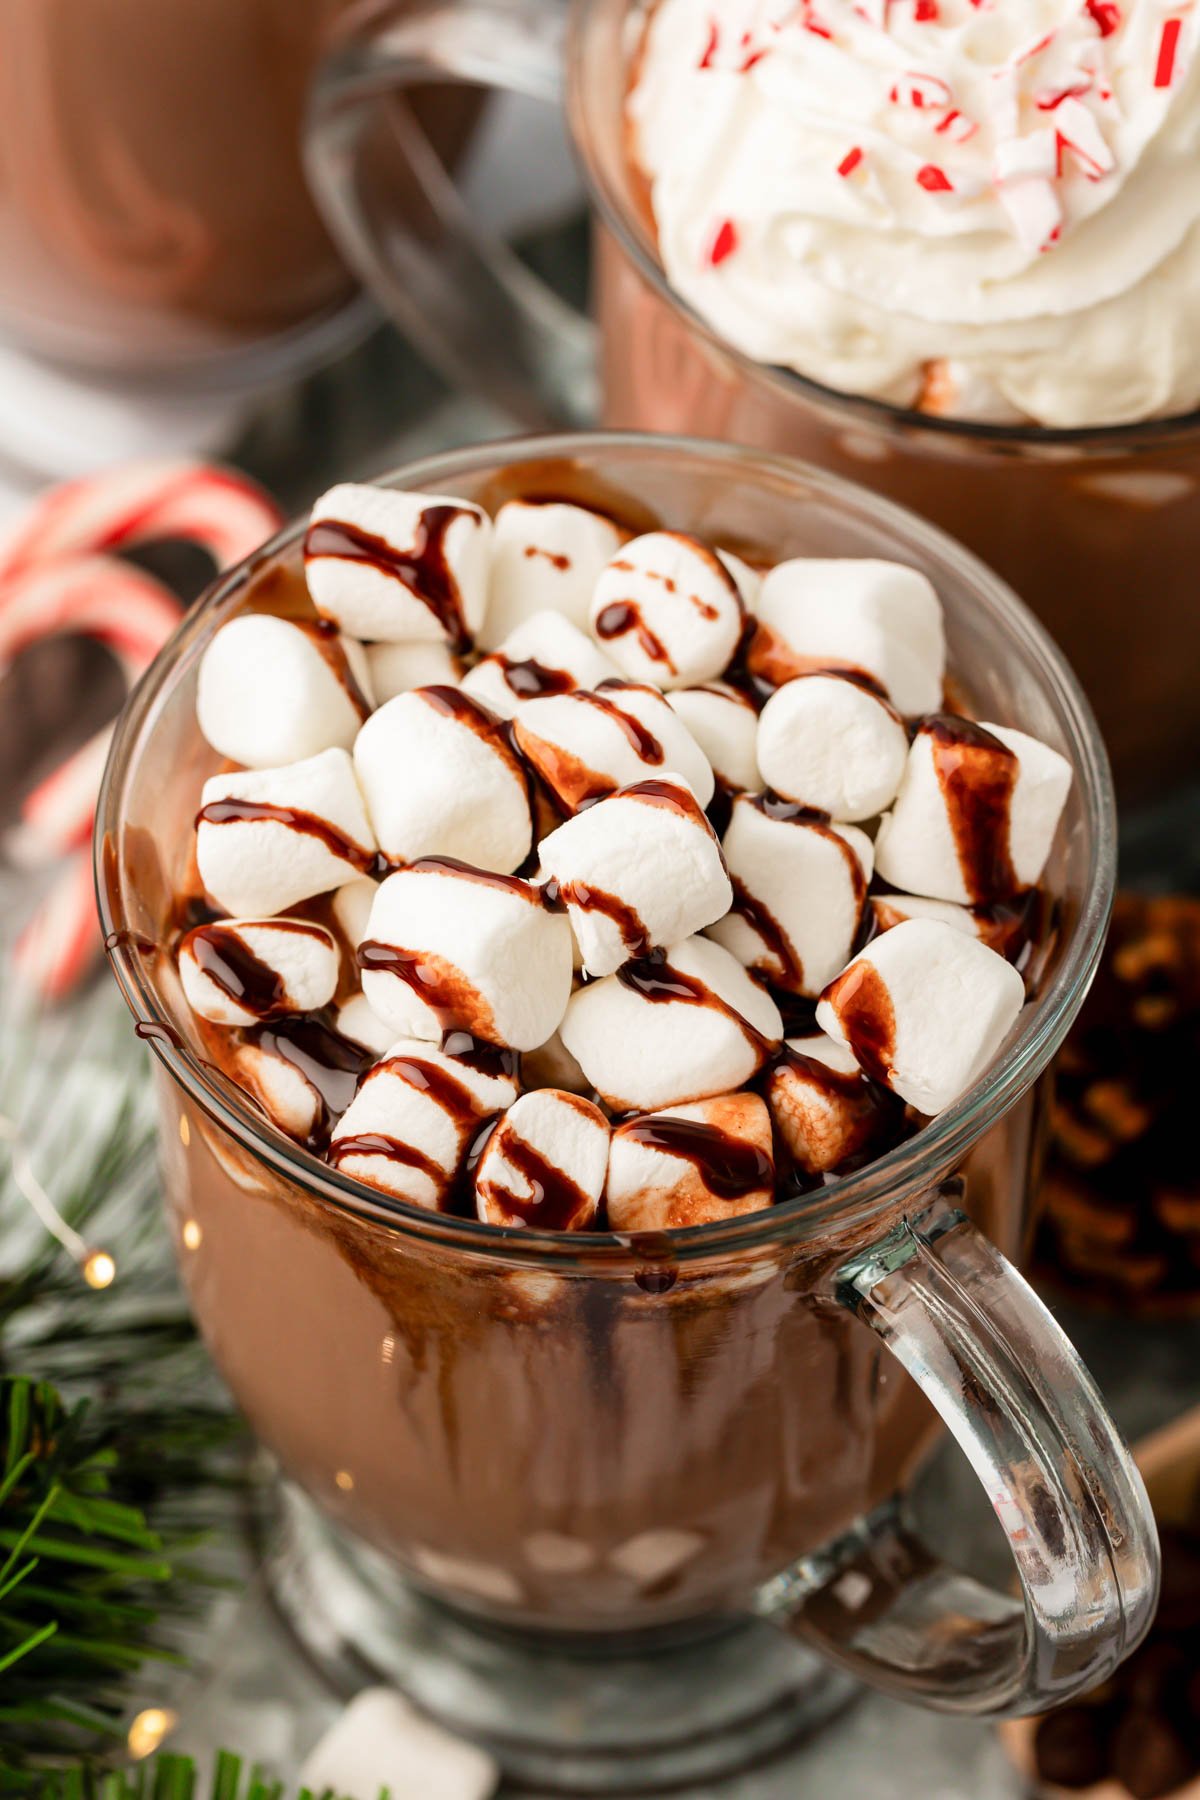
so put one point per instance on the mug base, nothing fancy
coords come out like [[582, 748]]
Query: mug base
[[591, 1719]]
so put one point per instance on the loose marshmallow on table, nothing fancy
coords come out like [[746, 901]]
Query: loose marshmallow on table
[[825, 1109], [924, 1009], [587, 744], [879, 619], [690, 1165], [545, 557], [832, 744], [976, 813], [381, 1742], [239, 971], [455, 948], [357, 1022], [394, 668], [668, 610], [544, 655], [413, 1118], [390, 566], [671, 1029], [724, 723], [440, 779], [636, 871], [544, 1164], [271, 691], [269, 838], [799, 888]]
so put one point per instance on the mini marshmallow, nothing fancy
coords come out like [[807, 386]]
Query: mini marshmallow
[[352, 909], [825, 1110], [799, 888], [413, 1118], [440, 779], [924, 1008], [381, 1742], [588, 744], [893, 909], [287, 1097], [544, 655], [833, 745], [544, 1164], [394, 567], [636, 871], [357, 1022], [481, 952], [749, 581], [668, 610], [668, 1030], [690, 1165], [271, 691], [725, 725], [976, 813], [394, 668], [269, 838], [879, 619], [545, 558], [239, 971]]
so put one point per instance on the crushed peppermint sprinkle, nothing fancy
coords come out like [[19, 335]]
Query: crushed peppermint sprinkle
[[1105, 15], [925, 12], [934, 180], [724, 243], [919, 91], [1168, 44], [710, 49], [850, 161]]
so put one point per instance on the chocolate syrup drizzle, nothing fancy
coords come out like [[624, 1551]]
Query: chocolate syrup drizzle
[[554, 1201], [227, 959], [332, 1065], [860, 997], [530, 679], [729, 1167], [658, 981], [977, 774], [424, 569], [790, 972], [325, 636], [233, 811]]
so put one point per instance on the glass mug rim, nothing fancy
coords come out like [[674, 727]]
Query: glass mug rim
[[623, 225], [844, 1203]]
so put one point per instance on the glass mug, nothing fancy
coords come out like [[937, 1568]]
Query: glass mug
[[1097, 530], [154, 215], [647, 1448]]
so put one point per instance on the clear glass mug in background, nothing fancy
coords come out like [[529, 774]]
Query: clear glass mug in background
[[154, 215], [592, 1443], [1098, 531]]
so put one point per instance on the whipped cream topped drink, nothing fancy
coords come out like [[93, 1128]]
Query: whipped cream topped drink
[[587, 905], [987, 212], [761, 977]]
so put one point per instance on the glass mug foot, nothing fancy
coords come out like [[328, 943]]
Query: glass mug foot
[[569, 1717]]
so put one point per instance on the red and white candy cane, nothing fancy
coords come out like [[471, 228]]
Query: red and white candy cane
[[55, 580]]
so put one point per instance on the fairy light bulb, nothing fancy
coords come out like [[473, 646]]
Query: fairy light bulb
[[99, 1269], [149, 1729]]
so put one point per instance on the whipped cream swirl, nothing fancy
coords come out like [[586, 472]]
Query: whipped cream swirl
[[990, 210]]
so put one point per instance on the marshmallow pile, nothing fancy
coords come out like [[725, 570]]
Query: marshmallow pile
[[575, 878]]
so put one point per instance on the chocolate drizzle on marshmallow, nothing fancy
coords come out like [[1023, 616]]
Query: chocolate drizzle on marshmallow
[[235, 811], [729, 1167], [656, 980], [977, 775], [423, 568]]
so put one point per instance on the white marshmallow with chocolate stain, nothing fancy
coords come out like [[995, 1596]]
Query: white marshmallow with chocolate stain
[[352, 908], [799, 890], [544, 1164], [587, 744], [395, 668], [691, 1165], [823, 1106], [271, 691], [255, 864], [285, 1094], [892, 909], [749, 580], [832, 744], [666, 1031], [880, 619], [928, 845], [724, 723], [545, 654], [413, 1118], [440, 779], [925, 1009], [546, 557], [668, 610], [413, 567], [293, 961], [356, 1021], [637, 871], [480, 953]]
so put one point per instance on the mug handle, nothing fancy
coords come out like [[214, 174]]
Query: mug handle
[[1030, 1420], [463, 297]]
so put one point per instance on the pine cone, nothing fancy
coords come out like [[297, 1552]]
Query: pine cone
[[1121, 1195]]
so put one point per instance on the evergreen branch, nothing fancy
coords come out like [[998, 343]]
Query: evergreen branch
[[168, 1777]]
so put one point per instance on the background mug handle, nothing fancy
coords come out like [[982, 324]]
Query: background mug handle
[[463, 297], [1033, 1426]]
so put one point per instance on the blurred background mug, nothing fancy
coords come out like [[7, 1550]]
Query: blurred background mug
[[1097, 529]]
